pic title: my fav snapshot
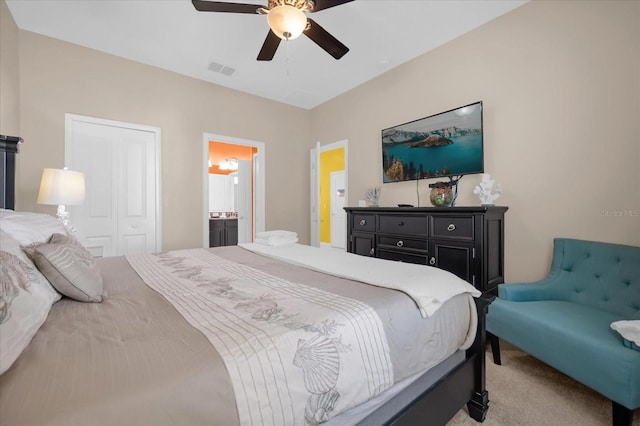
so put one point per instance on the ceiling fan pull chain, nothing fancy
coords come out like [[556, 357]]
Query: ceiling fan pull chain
[[286, 67]]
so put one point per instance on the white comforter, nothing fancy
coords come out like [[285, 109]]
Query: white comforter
[[429, 287]]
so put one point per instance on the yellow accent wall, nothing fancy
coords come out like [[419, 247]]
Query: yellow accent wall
[[330, 161]]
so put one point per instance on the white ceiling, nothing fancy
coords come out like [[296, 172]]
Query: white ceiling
[[172, 35]]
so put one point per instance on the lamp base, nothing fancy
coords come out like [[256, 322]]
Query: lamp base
[[63, 216]]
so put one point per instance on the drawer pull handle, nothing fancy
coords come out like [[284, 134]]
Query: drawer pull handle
[[400, 243], [432, 261], [363, 222], [451, 227], [372, 252], [400, 223]]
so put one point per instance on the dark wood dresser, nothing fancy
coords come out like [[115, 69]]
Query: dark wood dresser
[[467, 241]]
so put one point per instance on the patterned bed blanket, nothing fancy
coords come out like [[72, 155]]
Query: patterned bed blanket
[[296, 354]]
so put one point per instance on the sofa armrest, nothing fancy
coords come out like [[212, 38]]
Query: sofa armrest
[[525, 292]]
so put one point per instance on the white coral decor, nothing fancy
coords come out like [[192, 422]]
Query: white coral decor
[[373, 196], [485, 191]]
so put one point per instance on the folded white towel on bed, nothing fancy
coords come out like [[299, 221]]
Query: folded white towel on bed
[[278, 233], [276, 238], [279, 241], [630, 330]]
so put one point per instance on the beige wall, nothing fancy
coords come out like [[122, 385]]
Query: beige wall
[[560, 83], [58, 77], [9, 74]]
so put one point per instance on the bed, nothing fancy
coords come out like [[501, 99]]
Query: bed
[[154, 344]]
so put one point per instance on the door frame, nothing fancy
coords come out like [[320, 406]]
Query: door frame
[[315, 192], [259, 176], [69, 119]]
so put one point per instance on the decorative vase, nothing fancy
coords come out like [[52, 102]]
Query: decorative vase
[[441, 194]]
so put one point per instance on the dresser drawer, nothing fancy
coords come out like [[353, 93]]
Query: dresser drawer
[[452, 227], [363, 222], [403, 243], [405, 225], [403, 257]]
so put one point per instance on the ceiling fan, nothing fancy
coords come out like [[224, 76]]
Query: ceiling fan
[[287, 20]]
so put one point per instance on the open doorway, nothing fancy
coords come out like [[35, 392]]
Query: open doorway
[[329, 193], [233, 189]]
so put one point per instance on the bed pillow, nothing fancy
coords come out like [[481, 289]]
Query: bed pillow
[[24, 306], [28, 227], [11, 245], [71, 270]]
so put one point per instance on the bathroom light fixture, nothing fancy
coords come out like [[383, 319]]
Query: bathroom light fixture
[[286, 21], [62, 187], [229, 164]]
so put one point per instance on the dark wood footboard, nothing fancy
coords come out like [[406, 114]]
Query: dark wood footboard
[[465, 384]]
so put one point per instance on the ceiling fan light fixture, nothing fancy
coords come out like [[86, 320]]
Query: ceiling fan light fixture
[[287, 22]]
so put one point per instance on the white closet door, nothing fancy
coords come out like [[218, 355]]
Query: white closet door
[[137, 204], [121, 213]]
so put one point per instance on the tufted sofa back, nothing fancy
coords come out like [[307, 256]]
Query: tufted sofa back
[[602, 275]]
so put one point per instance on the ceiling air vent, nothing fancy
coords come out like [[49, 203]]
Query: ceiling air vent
[[215, 67]]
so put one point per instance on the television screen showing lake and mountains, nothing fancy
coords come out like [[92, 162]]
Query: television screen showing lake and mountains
[[446, 144]]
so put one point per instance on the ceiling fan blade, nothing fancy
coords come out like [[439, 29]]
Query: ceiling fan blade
[[220, 6], [269, 47], [326, 4], [325, 40]]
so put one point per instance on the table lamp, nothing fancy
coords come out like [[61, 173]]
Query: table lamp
[[62, 187]]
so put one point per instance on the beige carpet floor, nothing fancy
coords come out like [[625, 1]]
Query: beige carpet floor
[[525, 391]]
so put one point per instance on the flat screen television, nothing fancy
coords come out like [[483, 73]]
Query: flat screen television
[[447, 144]]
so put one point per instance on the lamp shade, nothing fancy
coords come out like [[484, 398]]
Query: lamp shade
[[61, 186], [286, 21]]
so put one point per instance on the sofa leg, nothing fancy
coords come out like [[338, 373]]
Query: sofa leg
[[495, 347], [622, 416]]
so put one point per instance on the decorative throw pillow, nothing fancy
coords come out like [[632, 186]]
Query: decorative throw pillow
[[71, 270], [68, 239], [56, 239], [24, 307]]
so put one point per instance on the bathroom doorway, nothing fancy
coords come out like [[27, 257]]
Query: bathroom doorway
[[233, 184]]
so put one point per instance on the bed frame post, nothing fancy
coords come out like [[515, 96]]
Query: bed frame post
[[479, 402], [8, 151]]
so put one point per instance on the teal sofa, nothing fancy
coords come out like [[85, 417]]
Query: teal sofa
[[565, 319]]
